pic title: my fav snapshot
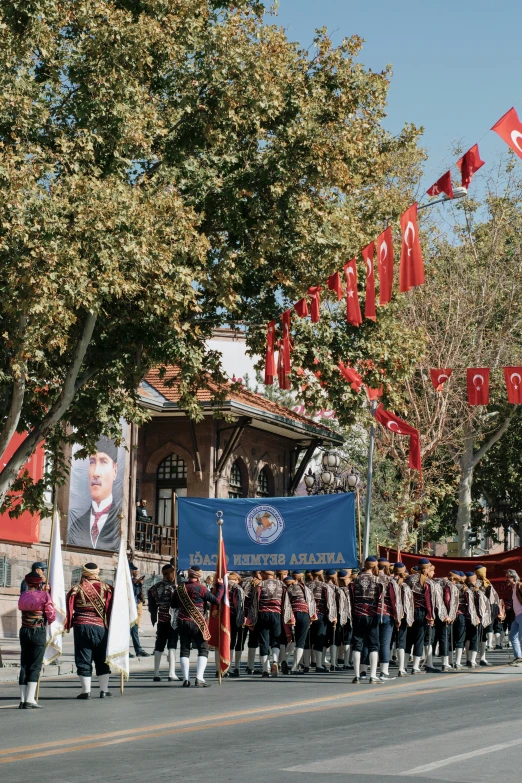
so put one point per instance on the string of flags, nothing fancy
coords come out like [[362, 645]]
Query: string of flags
[[411, 270]]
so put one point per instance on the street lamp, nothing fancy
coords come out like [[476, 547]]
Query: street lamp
[[327, 480]]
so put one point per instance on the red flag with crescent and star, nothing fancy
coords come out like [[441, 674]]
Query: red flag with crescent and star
[[219, 620], [442, 185], [509, 128], [385, 262], [301, 308], [411, 271], [369, 306], [282, 375], [315, 304], [439, 377], [270, 367], [392, 423], [478, 385], [335, 283], [353, 377], [513, 378], [286, 320], [469, 164], [353, 309]]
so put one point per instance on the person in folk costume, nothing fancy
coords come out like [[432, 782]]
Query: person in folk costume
[[366, 591], [483, 609], [88, 614], [384, 566], [237, 620], [266, 616], [466, 619], [438, 633], [488, 635], [334, 630], [283, 646], [343, 634], [446, 599], [248, 584], [37, 610], [298, 613], [406, 614], [423, 614], [159, 600], [191, 598], [326, 610], [390, 614]]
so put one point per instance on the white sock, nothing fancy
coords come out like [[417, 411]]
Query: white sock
[[356, 656], [401, 654], [297, 658], [425, 652], [306, 658], [394, 650], [491, 637], [323, 658], [264, 663], [31, 692], [497, 638], [333, 655], [429, 656], [416, 661], [314, 657], [103, 680], [86, 684], [346, 654], [281, 653], [200, 667], [157, 663], [290, 648], [184, 664], [458, 655], [237, 659], [483, 647], [445, 660], [171, 657], [374, 660], [385, 668], [23, 693], [251, 660], [472, 656], [275, 654]]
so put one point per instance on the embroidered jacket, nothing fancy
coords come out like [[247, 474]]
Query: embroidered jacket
[[366, 590], [298, 598], [236, 597], [159, 599], [324, 599], [199, 595], [347, 594], [407, 603], [421, 594], [37, 608], [89, 603]]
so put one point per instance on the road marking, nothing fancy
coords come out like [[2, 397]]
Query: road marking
[[218, 721], [462, 757]]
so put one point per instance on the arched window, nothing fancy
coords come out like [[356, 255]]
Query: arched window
[[173, 467], [235, 489], [171, 479], [263, 485]]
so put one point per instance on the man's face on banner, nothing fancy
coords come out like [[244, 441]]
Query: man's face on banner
[[102, 472]]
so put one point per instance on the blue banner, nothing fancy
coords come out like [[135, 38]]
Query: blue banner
[[271, 533]]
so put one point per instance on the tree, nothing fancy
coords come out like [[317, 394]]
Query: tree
[[168, 167]]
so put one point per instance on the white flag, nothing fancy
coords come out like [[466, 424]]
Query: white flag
[[124, 615], [56, 579]]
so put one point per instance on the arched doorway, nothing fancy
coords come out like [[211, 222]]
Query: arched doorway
[[265, 484], [237, 482], [159, 534]]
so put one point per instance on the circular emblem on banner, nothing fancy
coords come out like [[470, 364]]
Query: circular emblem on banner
[[264, 524]]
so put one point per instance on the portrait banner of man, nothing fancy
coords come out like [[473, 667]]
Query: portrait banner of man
[[96, 496]]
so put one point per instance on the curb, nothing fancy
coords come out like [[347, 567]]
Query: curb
[[11, 673]]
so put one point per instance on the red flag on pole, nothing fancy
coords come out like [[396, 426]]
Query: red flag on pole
[[301, 308], [282, 375], [335, 283], [270, 368], [315, 304], [469, 164], [219, 620], [369, 306], [513, 378], [392, 422], [478, 385], [385, 261], [353, 310], [442, 185], [411, 271], [509, 128], [353, 377], [439, 377], [286, 319]]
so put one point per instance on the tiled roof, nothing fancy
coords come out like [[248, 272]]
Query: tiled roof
[[168, 387]]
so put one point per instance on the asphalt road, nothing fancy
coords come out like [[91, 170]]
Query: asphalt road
[[446, 727]]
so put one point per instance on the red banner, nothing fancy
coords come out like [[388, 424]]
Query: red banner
[[353, 309], [411, 271], [392, 422], [509, 128], [315, 304], [369, 305], [442, 185], [335, 283], [513, 378], [385, 261], [478, 385], [270, 368], [26, 528], [219, 620], [469, 164], [353, 377], [439, 377]]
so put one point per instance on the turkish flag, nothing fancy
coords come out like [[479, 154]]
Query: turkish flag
[[369, 305], [353, 310], [442, 185], [513, 377], [509, 128], [219, 620], [411, 271], [394, 424], [335, 283], [478, 385], [439, 377], [353, 377], [301, 308], [469, 164], [315, 304], [282, 375], [270, 368], [385, 261], [286, 319]]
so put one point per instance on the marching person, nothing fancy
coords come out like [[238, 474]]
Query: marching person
[[88, 613], [248, 585], [37, 569], [466, 620], [137, 587], [390, 614], [299, 613], [344, 634], [159, 598], [482, 614], [237, 620], [407, 615], [190, 599], [366, 590], [445, 617], [515, 632], [37, 610], [266, 616], [418, 582], [438, 633], [488, 635], [326, 611], [334, 630]]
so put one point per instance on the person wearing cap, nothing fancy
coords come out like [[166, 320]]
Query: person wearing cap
[[423, 611], [446, 600], [299, 611], [137, 587], [406, 614], [88, 612], [190, 599], [326, 610], [466, 619], [474, 623], [366, 592], [236, 597], [390, 615], [37, 569], [266, 616], [492, 597], [37, 610], [344, 633], [515, 632], [248, 584], [334, 630], [98, 527], [159, 600], [384, 566]]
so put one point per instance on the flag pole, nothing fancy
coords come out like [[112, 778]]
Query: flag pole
[[359, 523], [219, 522], [51, 540], [122, 681]]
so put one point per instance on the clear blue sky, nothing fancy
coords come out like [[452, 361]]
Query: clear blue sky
[[457, 66]]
